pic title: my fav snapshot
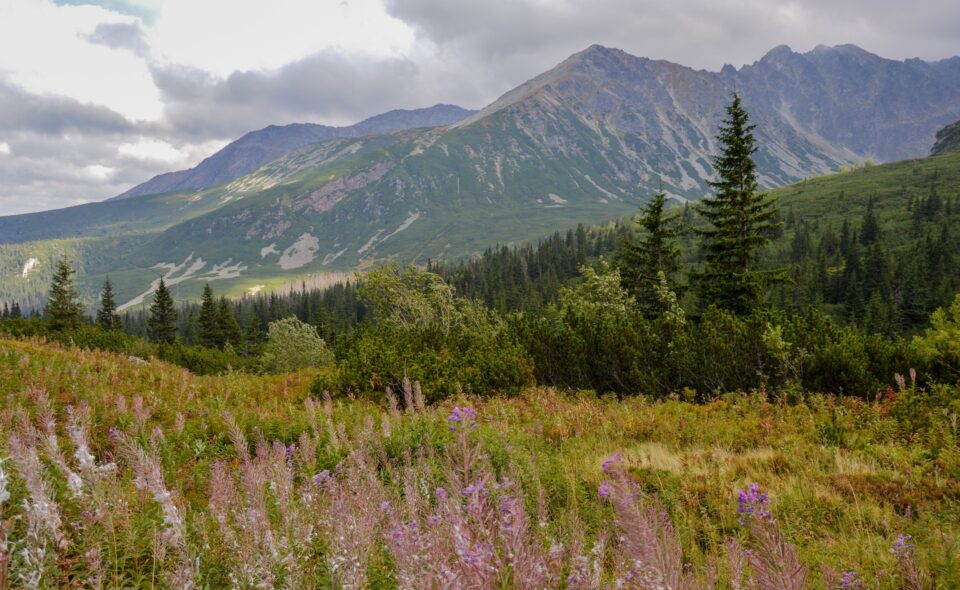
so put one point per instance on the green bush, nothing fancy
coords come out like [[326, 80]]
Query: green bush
[[422, 331], [291, 345]]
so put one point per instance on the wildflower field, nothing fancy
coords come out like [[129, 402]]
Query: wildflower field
[[121, 473]]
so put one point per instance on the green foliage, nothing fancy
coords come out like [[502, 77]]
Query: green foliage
[[64, 311], [107, 317], [424, 332], [162, 324], [940, 343], [643, 262], [292, 345], [742, 220], [210, 334]]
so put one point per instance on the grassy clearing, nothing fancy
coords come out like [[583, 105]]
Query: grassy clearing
[[845, 479]]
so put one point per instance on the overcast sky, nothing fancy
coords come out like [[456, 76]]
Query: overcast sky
[[98, 96]]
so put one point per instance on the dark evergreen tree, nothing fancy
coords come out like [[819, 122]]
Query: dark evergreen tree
[[870, 228], [211, 335], [64, 311], [162, 325], [15, 312], [227, 324], [742, 220], [641, 261], [107, 317]]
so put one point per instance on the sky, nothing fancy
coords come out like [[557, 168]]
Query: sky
[[98, 96]]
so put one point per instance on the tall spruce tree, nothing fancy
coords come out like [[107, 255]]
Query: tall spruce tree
[[64, 311], [228, 325], [162, 324], [211, 335], [642, 261], [107, 317], [742, 220]]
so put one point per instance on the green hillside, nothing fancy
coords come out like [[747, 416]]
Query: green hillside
[[948, 140]]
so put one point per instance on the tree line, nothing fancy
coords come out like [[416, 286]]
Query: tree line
[[691, 302]]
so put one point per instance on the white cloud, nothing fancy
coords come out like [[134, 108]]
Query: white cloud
[[44, 49], [99, 172], [151, 149], [4, 148], [223, 36]]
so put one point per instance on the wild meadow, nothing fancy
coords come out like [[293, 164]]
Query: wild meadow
[[123, 473]]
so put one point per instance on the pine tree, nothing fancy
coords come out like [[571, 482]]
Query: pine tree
[[742, 220], [162, 324], [107, 317], [64, 310], [210, 334], [228, 325], [642, 261], [15, 312], [870, 228]]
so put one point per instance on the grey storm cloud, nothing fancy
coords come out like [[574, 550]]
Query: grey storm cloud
[[121, 36], [469, 52], [53, 115]]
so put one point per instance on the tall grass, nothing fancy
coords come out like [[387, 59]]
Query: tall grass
[[118, 474]]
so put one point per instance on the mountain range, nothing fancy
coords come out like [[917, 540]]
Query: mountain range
[[585, 142]]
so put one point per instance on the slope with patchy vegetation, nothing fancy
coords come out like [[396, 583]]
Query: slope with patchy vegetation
[[119, 472]]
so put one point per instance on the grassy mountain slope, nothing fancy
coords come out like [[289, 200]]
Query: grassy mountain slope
[[948, 140], [257, 148], [845, 477]]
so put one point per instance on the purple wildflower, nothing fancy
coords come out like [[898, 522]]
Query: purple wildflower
[[475, 489], [849, 581], [463, 417], [902, 547], [609, 462], [384, 506], [441, 494], [321, 478], [604, 489], [753, 501]]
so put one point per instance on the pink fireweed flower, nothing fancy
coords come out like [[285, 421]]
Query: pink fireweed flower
[[322, 478], [476, 488]]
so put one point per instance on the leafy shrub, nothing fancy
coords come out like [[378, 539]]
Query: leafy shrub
[[291, 345], [421, 330]]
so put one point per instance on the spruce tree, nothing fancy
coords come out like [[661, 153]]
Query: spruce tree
[[64, 311], [228, 325], [870, 228], [15, 313], [107, 317], [210, 334], [642, 261], [742, 220], [162, 324]]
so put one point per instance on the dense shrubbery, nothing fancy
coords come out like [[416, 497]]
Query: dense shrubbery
[[197, 359], [585, 341], [423, 331]]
